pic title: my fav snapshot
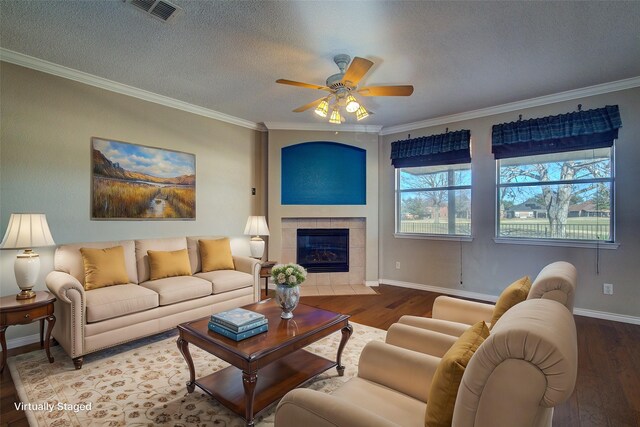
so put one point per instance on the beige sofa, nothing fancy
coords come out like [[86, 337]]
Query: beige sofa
[[88, 321], [526, 366]]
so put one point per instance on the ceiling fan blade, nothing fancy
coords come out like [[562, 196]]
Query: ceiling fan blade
[[404, 90], [309, 105], [357, 69], [307, 85]]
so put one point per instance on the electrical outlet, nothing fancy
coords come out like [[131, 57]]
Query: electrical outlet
[[397, 265], [607, 289]]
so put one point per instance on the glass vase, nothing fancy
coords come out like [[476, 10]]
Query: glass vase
[[287, 298]]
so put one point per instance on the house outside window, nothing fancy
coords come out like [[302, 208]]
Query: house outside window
[[559, 196], [434, 200]]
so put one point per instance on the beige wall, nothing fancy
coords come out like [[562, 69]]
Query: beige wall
[[46, 126], [487, 267], [367, 141]]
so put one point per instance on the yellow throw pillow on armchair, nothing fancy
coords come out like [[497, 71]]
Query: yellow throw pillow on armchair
[[513, 294], [216, 255], [164, 264], [103, 267], [448, 376]]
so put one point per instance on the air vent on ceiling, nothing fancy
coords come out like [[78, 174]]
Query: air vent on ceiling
[[159, 9]]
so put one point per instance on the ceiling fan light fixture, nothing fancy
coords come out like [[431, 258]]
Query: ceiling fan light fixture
[[323, 108], [362, 113], [335, 117], [352, 104]]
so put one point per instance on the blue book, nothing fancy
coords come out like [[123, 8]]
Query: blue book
[[236, 317], [242, 328], [238, 336]]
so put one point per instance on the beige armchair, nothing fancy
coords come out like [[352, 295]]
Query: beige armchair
[[526, 366], [557, 281]]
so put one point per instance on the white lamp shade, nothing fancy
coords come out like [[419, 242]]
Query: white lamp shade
[[27, 230], [256, 226]]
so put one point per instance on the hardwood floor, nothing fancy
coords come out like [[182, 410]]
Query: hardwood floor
[[607, 390]]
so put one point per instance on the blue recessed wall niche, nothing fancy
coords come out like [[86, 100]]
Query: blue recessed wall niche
[[323, 173]]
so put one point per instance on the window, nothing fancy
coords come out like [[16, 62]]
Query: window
[[434, 200], [559, 196]]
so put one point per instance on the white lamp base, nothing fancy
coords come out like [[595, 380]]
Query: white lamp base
[[26, 268], [257, 247]]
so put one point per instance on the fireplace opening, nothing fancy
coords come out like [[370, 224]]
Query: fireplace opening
[[323, 250]]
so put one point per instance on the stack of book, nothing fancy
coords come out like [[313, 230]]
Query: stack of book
[[238, 324]]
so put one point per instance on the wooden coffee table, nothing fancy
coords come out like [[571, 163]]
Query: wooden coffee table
[[264, 367]]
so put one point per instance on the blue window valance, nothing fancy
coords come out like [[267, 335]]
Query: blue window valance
[[579, 130], [443, 149]]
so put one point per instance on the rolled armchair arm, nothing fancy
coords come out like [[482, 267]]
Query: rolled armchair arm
[[462, 311], [436, 325], [70, 311], [420, 340], [406, 371], [310, 408]]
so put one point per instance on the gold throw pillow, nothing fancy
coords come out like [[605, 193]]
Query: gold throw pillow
[[216, 255], [513, 294], [164, 264], [104, 267], [448, 376]]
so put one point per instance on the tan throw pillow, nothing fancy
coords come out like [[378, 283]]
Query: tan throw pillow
[[216, 255], [104, 267], [448, 375], [513, 294], [164, 264]]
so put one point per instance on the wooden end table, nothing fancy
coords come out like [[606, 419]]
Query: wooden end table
[[268, 365], [22, 312], [265, 273]]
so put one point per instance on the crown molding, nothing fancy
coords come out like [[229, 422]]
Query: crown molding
[[518, 105], [102, 83], [323, 127]]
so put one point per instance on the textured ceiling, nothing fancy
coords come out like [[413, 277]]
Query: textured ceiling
[[226, 55]]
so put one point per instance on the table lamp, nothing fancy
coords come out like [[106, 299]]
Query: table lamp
[[27, 231], [256, 227]]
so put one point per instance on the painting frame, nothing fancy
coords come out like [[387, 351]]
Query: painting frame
[[135, 182]]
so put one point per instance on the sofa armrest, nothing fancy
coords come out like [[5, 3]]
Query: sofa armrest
[[310, 408], [251, 266], [420, 340], [461, 311], [70, 311], [406, 371]]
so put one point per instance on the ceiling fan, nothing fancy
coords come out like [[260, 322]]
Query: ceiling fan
[[342, 86]]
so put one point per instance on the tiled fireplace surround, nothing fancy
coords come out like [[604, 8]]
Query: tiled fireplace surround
[[357, 248]]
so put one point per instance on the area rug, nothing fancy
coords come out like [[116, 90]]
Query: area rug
[[143, 384]]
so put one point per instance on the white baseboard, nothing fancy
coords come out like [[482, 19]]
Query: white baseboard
[[20, 341], [484, 297], [372, 283], [606, 315], [438, 289]]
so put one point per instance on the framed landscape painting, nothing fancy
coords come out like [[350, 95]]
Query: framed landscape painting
[[131, 182]]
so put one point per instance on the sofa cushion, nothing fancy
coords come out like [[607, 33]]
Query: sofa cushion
[[164, 264], [104, 267], [68, 258], [447, 378], [513, 294], [227, 280], [216, 255], [177, 289], [142, 257], [119, 300]]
